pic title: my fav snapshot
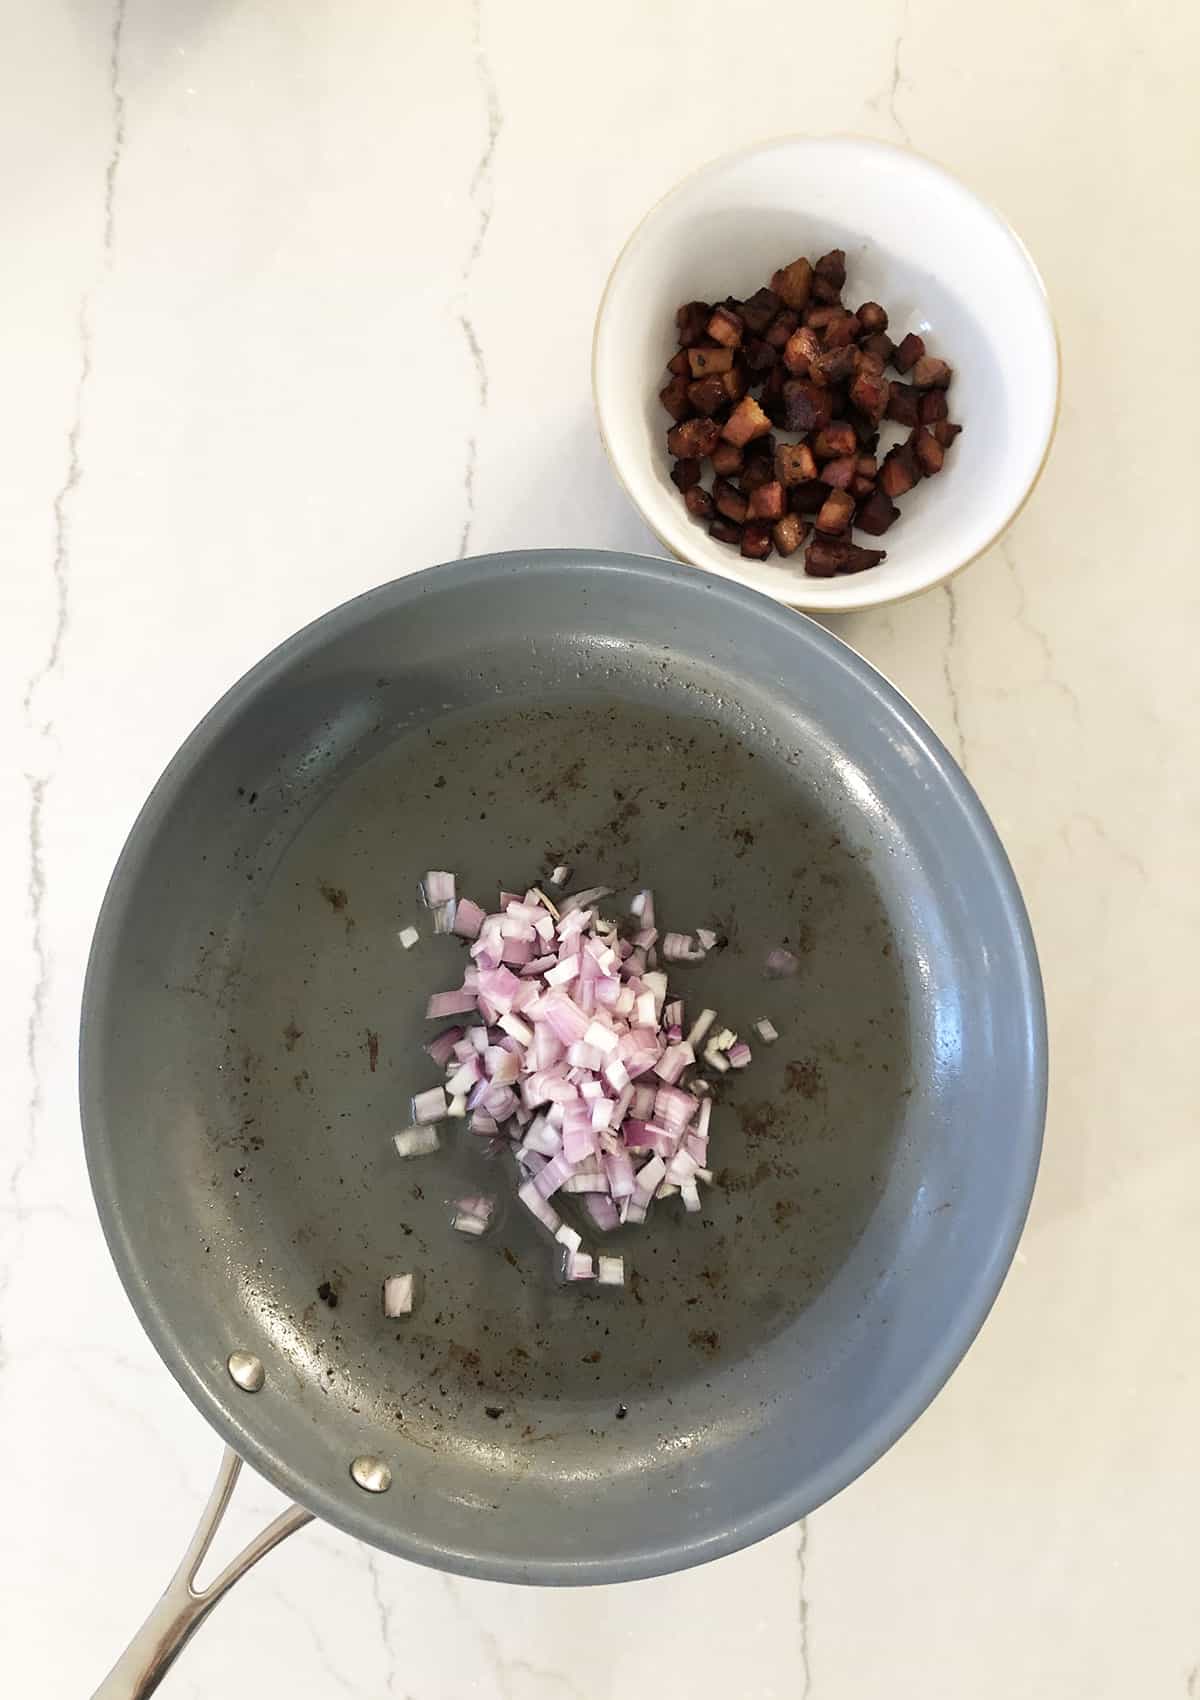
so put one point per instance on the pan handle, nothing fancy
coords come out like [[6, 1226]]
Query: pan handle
[[183, 1606]]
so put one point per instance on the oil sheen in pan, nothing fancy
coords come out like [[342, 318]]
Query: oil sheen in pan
[[322, 1054]]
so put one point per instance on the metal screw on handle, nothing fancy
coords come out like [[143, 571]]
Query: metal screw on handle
[[183, 1606]]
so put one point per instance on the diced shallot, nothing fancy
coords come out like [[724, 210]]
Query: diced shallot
[[586, 1180], [642, 1103], [642, 908], [416, 1141], [429, 1106], [701, 1026], [443, 916], [618, 1166], [442, 1048], [673, 1062], [398, 1295], [583, 899], [682, 947], [468, 918], [650, 1176], [464, 1077], [466, 1223], [438, 887], [601, 1212], [674, 1108], [533, 1201], [582, 1063]]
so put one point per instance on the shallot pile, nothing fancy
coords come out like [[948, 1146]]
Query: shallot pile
[[582, 1063]]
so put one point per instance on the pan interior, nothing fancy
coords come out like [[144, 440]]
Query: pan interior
[[253, 1034], [323, 1053]]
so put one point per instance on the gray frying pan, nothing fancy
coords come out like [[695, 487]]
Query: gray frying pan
[[252, 1034]]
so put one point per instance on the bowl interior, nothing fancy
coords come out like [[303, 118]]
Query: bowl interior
[[938, 259]]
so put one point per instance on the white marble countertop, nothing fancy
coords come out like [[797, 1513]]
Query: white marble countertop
[[298, 297]]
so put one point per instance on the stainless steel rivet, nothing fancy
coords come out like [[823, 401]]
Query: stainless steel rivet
[[246, 1370], [372, 1474]]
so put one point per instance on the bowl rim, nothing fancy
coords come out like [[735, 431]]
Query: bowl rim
[[865, 597]]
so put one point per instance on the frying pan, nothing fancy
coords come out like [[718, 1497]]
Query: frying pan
[[252, 1034]]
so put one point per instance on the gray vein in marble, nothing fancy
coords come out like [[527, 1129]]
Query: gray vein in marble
[[508, 1670], [1081, 817], [99, 1389], [60, 568], [384, 1613], [1193, 1682], [477, 356], [309, 1619], [355, 1556], [948, 669], [83, 1351], [802, 1563], [60, 561], [37, 784], [118, 126], [1038, 636], [481, 180], [464, 542], [483, 200], [36, 893], [85, 1221], [898, 78]]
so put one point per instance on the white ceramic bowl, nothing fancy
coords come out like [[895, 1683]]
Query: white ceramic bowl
[[940, 260]]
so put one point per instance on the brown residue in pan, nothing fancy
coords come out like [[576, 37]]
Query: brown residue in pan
[[805, 1078], [758, 1119]]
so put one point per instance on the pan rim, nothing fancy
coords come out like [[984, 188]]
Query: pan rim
[[792, 1500]]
